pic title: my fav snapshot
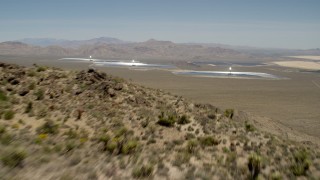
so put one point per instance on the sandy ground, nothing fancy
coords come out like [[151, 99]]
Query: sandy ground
[[299, 64], [306, 57], [294, 103]]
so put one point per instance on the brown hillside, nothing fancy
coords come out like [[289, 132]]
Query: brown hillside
[[57, 124]]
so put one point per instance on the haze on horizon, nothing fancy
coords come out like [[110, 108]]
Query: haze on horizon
[[282, 24]]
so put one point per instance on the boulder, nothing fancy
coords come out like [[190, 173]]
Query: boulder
[[111, 92], [23, 91], [118, 87]]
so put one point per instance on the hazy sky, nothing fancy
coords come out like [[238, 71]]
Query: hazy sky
[[263, 23]]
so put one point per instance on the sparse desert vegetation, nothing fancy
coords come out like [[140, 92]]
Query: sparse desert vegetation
[[89, 125]]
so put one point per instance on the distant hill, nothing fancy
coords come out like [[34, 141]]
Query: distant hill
[[70, 43], [151, 49], [260, 51], [18, 48]]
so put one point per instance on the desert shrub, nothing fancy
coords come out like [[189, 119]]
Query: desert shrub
[[32, 85], [192, 146], [104, 139], [3, 96], [72, 134], [49, 127], [276, 176], [229, 113], [28, 108], [112, 145], [15, 126], [2, 129], [225, 150], [166, 121], [151, 141], [249, 127], [31, 73], [181, 158], [145, 123], [190, 128], [57, 148], [8, 115], [231, 158], [13, 158], [301, 163], [6, 138], [189, 136], [70, 145], [183, 120], [21, 122], [129, 146], [177, 142], [42, 136], [208, 141], [41, 68], [143, 171], [254, 165], [39, 94], [120, 132]]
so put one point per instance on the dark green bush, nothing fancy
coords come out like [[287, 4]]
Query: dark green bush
[[6, 138], [32, 86], [254, 165], [3, 96], [8, 115], [41, 68], [13, 158], [208, 141], [301, 163], [249, 127], [2, 129], [166, 121], [183, 120], [229, 113]]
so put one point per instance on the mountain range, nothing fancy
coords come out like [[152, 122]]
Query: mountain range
[[108, 47], [43, 42], [112, 48]]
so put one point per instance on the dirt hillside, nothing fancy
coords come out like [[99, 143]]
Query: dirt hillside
[[57, 124]]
